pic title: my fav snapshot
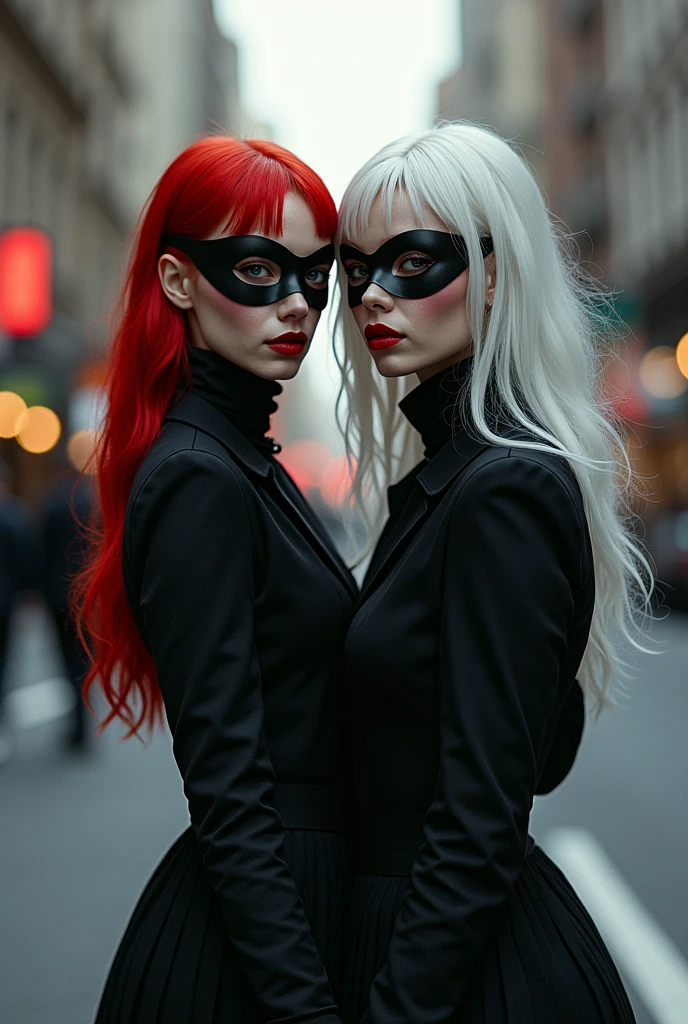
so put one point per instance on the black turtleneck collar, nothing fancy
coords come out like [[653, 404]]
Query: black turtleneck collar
[[245, 399], [431, 407]]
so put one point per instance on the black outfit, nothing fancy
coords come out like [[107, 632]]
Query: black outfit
[[244, 605], [63, 547], [461, 663], [17, 569]]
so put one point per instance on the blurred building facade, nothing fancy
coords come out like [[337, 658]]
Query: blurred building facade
[[646, 98], [96, 98], [573, 122], [647, 102], [187, 74], [500, 79]]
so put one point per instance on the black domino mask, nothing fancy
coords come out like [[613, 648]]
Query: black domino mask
[[447, 252], [216, 259]]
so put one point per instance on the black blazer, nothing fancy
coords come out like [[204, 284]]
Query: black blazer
[[461, 662], [244, 604]]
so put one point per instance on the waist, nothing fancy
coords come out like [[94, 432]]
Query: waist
[[388, 843], [311, 806]]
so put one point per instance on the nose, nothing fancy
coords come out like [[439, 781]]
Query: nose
[[376, 298], [294, 307]]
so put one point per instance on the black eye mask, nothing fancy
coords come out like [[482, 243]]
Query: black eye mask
[[447, 251], [216, 259]]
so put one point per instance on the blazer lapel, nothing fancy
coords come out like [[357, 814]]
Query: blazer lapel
[[315, 530], [431, 481], [197, 412]]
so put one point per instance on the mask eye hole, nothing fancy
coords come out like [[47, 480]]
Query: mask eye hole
[[260, 272], [412, 264], [318, 277], [357, 273]]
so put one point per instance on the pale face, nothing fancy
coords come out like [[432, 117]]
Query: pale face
[[270, 341], [434, 331]]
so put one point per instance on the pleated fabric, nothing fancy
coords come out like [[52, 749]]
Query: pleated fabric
[[175, 963], [545, 961]]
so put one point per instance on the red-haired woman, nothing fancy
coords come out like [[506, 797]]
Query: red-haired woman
[[213, 592]]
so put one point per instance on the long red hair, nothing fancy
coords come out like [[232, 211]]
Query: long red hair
[[216, 180]]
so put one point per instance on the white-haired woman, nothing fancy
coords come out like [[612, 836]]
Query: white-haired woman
[[488, 608]]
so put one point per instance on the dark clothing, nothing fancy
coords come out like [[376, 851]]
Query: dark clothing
[[67, 505], [17, 567], [17, 551], [248, 401], [461, 663], [244, 604]]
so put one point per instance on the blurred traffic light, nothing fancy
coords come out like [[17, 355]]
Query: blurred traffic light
[[25, 281]]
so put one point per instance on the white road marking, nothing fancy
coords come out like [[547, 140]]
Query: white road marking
[[643, 952], [40, 702]]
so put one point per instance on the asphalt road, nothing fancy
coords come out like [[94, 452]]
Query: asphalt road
[[80, 835]]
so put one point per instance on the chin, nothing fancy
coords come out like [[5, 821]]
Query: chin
[[395, 364]]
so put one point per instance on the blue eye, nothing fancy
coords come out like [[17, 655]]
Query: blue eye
[[357, 274], [317, 277], [258, 273], [414, 264]]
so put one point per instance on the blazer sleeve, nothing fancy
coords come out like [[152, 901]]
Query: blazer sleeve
[[566, 741], [192, 536], [513, 563]]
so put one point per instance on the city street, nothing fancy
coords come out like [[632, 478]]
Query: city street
[[81, 834]]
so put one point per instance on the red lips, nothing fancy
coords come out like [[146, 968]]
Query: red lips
[[291, 343], [381, 336]]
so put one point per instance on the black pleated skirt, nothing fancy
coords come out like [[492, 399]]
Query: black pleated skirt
[[175, 964], [544, 963]]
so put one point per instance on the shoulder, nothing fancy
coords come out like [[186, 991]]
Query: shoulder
[[542, 477], [510, 495], [187, 478], [180, 455]]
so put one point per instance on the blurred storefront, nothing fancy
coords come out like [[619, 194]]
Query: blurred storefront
[[95, 98]]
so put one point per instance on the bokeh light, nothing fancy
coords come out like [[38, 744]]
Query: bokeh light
[[305, 461], [41, 430], [12, 413], [682, 355], [25, 281], [80, 449], [336, 481], [660, 374]]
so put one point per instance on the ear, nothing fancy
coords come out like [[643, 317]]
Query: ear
[[176, 280], [490, 279]]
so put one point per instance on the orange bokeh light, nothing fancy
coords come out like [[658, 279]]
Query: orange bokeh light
[[41, 430], [80, 449], [660, 374], [682, 355], [12, 413]]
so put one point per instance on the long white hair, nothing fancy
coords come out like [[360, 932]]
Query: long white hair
[[541, 340]]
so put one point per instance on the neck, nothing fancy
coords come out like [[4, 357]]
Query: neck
[[446, 364], [244, 398], [433, 408]]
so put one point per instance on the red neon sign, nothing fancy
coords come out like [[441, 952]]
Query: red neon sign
[[25, 281]]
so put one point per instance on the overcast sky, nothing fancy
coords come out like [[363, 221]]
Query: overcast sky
[[335, 80]]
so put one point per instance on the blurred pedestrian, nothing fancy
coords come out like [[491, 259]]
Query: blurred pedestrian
[[67, 504], [16, 572]]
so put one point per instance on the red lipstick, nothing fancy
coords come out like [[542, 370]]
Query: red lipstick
[[291, 343], [381, 336]]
